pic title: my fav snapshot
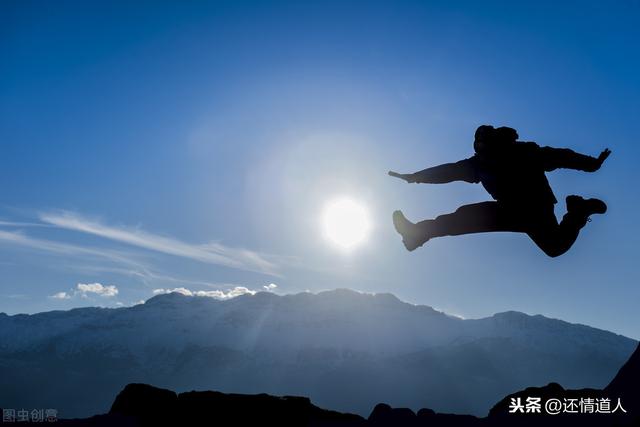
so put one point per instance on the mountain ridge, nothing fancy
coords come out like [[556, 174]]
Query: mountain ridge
[[345, 349], [177, 296]]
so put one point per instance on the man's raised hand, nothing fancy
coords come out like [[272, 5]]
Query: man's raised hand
[[603, 156], [409, 177], [598, 161]]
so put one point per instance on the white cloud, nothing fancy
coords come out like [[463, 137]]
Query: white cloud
[[212, 253], [183, 291], [60, 295], [83, 290], [96, 288], [218, 294], [270, 287]]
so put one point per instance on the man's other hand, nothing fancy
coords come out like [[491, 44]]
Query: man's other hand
[[409, 177]]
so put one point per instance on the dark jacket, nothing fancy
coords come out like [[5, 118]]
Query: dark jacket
[[513, 174]]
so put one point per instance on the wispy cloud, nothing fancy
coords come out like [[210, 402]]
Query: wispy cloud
[[218, 294], [212, 253], [117, 257], [14, 296], [134, 262], [4, 223], [121, 263], [19, 238]]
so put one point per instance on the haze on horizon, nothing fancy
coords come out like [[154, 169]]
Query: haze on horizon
[[149, 147]]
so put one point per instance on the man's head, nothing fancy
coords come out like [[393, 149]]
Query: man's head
[[490, 140], [506, 135], [483, 137]]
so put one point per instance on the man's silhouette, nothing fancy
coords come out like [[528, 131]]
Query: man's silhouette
[[513, 172]]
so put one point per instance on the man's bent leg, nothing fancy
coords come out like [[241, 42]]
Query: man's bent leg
[[556, 239]]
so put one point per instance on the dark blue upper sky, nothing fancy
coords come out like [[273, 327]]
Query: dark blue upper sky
[[193, 144]]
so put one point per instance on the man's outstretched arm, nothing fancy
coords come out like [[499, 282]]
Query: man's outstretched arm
[[464, 170], [556, 158]]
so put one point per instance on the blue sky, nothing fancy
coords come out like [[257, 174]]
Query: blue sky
[[161, 145]]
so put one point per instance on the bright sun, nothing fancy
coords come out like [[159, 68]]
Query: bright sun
[[345, 223]]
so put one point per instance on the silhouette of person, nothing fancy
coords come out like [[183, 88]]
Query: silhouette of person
[[513, 173]]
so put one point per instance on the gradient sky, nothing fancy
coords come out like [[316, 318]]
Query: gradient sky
[[162, 145]]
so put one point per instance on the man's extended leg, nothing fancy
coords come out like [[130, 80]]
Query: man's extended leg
[[475, 218]]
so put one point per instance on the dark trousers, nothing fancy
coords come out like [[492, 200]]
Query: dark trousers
[[539, 222]]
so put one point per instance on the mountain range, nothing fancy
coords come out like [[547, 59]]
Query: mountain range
[[345, 350]]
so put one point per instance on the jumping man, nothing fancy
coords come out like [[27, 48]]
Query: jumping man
[[513, 173]]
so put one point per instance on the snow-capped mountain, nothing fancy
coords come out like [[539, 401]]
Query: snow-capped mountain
[[345, 350]]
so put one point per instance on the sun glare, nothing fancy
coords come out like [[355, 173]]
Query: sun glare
[[345, 223]]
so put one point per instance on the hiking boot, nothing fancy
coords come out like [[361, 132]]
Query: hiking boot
[[585, 207], [413, 236]]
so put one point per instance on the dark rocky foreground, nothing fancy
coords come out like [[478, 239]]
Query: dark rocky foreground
[[145, 405]]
